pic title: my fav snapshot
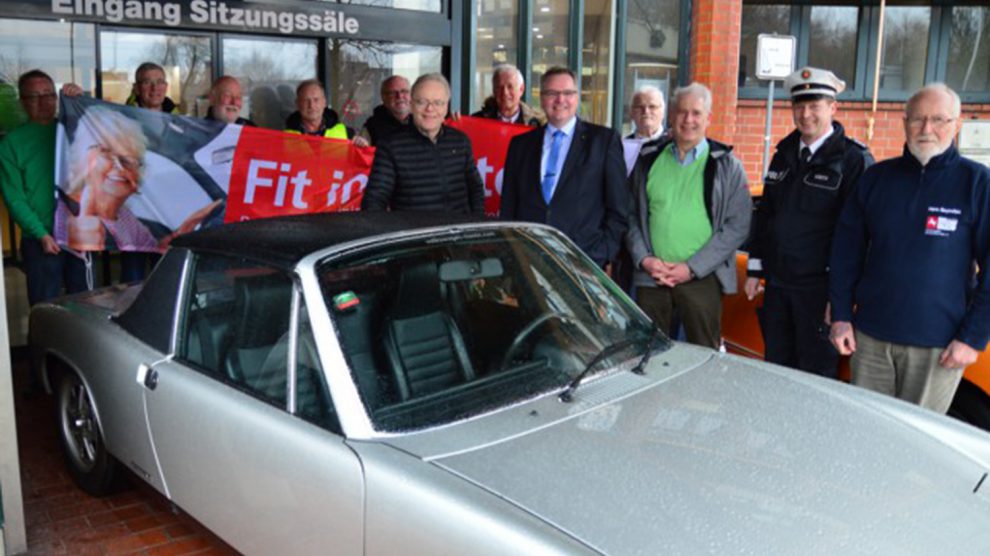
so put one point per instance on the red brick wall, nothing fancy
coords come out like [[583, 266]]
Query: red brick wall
[[715, 35], [888, 130], [714, 57]]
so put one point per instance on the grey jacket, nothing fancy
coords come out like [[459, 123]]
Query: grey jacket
[[729, 209]]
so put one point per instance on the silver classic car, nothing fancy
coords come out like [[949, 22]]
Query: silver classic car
[[417, 384]]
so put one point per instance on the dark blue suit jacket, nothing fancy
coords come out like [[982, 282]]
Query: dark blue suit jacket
[[590, 203]]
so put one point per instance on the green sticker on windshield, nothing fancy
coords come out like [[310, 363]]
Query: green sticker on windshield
[[345, 301]]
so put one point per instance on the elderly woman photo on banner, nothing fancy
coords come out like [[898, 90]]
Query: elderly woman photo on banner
[[129, 180]]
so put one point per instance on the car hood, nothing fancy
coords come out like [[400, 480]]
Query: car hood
[[717, 454]]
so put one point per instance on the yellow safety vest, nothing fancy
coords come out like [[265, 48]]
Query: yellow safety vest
[[338, 131]]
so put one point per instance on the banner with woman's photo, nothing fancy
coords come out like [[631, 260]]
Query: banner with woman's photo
[[129, 179]]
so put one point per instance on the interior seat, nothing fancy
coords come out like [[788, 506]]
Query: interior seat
[[425, 348], [263, 305]]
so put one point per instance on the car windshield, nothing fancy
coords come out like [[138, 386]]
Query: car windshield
[[442, 328]]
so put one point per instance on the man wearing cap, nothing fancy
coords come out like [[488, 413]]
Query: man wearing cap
[[810, 176]]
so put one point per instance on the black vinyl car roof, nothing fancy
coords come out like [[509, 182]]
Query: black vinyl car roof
[[283, 241]]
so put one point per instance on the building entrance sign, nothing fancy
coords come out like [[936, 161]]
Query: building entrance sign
[[316, 19]]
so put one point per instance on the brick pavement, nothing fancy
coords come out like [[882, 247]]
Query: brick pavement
[[62, 519]]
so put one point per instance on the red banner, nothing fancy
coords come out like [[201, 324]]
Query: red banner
[[490, 143], [193, 174], [277, 173]]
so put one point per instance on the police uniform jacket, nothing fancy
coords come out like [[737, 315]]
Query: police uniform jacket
[[795, 220]]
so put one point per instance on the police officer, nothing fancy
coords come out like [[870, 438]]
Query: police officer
[[810, 176]]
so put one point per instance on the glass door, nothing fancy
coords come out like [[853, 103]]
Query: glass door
[[186, 58], [269, 69]]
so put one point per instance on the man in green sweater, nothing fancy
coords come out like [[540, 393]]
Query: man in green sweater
[[691, 211], [27, 179]]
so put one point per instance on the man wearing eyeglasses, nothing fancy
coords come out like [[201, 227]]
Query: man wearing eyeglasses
[[27, 170], [568, 173], [810, 176], [150, 89], [426, 166], [389, 116], [909, 287]]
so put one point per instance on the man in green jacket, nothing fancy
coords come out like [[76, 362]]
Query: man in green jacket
[[27, 179]]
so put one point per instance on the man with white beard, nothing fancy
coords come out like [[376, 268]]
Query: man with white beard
[[909, 287]]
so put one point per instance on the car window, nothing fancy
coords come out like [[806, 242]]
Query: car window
[[440, 329], [237, 330]]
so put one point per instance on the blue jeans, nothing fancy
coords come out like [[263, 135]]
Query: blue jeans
[[46, 273]]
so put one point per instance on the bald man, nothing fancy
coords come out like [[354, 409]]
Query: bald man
[[226, 102]]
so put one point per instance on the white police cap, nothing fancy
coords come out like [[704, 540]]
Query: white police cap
[[809, 81]]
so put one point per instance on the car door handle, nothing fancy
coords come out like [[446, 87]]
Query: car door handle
[[147, 376], [151, 380]]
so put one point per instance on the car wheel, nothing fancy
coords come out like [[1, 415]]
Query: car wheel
[[971, 405], [89, 463]]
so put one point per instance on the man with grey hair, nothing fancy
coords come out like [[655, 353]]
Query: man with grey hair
[[909, 288], [426, 166], [691, 211], [389, 116], [648, 109], [506, 103]]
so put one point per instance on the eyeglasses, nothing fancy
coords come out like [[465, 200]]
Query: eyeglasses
[[152, 82], [127, 163], [37, 97], [645, 107], [557, 94], [938, 122], [435, 104]]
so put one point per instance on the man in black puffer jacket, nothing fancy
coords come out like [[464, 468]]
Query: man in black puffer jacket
[[426, 166], [389, 116]]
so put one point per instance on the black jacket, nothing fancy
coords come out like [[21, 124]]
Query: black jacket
[[382, 123], [590, 203], [238, 121], [795, 220], [410, 172]]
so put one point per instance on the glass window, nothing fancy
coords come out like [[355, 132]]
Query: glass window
[[269, 71], [757, 20], [969, 50], [905, 48], [652, 38], [496, 43], [596, 61], [187, 59], [833, 41], [550, 38], [66, 51], [434, 331], [357, 69], [237, 325], [419, 5]]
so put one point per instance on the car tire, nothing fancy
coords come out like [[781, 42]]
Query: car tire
[[971, 405], [86, 456]]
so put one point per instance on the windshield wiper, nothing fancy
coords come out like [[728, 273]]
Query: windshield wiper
[[568, 394], [640, 368]]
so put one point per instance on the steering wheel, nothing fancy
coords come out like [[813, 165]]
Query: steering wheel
[[528, 330]]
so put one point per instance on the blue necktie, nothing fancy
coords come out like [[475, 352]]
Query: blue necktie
[[550, 177]]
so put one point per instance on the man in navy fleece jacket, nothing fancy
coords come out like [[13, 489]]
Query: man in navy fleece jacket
[[909, 287]]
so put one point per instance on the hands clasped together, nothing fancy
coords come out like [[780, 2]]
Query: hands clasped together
[[666, 274]]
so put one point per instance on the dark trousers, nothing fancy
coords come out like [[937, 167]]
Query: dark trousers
[[794, 330], [698, 303], [134, 266], [47, 273]]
